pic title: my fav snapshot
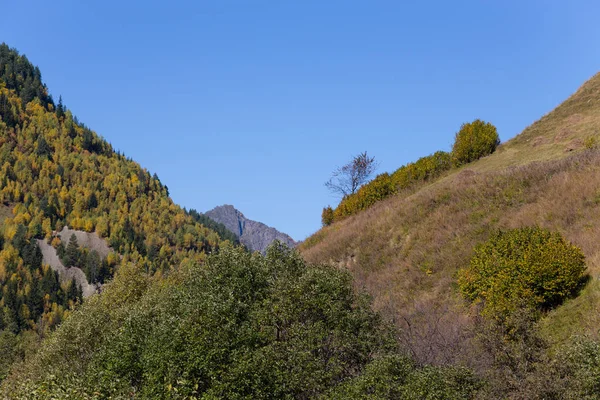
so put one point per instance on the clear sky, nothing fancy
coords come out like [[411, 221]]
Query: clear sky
[[254, 103]]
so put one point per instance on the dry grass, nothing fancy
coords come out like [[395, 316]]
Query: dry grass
[[563, 130], [406, 250]]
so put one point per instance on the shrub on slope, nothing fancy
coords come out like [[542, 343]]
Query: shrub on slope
[[527, 266], [385, 185], [473, 141]]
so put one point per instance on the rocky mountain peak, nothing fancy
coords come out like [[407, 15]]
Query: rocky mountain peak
[[253, 234]]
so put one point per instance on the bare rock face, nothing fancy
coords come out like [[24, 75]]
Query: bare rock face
[[65, 274], [252, 234], [84, 239]]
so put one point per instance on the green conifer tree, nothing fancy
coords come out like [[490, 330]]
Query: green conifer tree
[[72, 252]]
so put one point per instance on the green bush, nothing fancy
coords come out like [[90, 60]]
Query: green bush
[[327, 216], [579, 360], [473, 141], [397, 377], [530, 267], [369, 194], [239, 326], [8, 351]]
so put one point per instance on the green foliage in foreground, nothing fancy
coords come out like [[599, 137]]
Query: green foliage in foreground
[[396, 377], [530, 267], [241, 326], [474, 140]]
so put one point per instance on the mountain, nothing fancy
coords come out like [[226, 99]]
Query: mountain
[[254, 235]]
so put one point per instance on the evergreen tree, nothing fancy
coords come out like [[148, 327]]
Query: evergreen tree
[[60, 110], [92, 201], [104, 272], [73, 292], [60, 251], [50, 284], [6, 113], [19, 240], [43, 148], [72, 252], [32, 255], [35, 300], [93, 265]]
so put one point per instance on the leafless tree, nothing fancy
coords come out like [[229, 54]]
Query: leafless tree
[[347, 179]]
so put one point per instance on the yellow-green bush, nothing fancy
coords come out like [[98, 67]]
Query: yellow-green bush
[[473, 141], [385, 185], [421, 170], [378, 189], [591, 142], [327, 216], [522, 267]]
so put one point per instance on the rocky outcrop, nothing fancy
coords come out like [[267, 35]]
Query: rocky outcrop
[[89, 240], [65, 274], [84, 239], [253, 234]]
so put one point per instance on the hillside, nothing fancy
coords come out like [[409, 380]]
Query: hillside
[[56, 172], [405, 250], [255, 235]]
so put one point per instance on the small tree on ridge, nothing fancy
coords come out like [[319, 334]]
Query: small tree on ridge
[[347, 179]]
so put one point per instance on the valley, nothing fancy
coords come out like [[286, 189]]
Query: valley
[[467, 274]]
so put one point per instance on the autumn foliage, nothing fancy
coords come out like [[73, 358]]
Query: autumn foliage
[[56, 172]]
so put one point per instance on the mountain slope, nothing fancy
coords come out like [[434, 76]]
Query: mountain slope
[[254, 235], [561, 131], [56, 172], [406, 249]]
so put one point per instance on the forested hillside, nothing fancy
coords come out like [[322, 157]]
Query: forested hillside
[[56, 172]]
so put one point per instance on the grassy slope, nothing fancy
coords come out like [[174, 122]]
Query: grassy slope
[[407, 249]]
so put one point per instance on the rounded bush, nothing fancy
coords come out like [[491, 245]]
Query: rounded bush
[[473, 141], [527, 266]]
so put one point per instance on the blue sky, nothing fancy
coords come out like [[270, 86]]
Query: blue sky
[[255, 103]]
